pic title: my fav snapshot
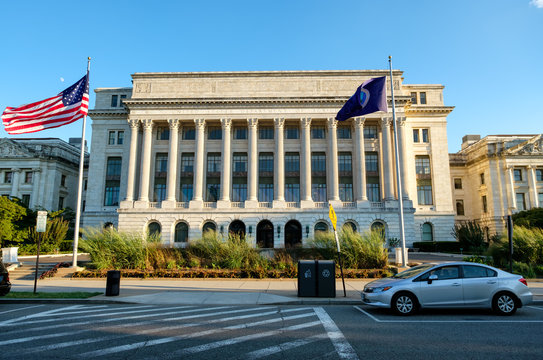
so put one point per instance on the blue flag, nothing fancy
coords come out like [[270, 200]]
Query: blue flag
[[370, 97]]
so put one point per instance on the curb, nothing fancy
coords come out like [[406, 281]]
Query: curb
[[63, 301]]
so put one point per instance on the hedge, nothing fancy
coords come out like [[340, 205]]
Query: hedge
[[438, 246]]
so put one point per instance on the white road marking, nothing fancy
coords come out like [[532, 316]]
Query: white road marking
[[448, 321], [535, 307], [257, 354], [45, 313], [343, 348], [126, 347], [19, 309]]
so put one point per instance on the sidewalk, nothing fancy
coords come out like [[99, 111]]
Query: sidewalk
[[203, 291]]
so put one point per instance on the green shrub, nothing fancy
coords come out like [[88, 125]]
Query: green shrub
[[471, 236], [55, 233], [527, 247]]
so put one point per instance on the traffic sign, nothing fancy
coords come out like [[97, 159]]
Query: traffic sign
[[41, 222]]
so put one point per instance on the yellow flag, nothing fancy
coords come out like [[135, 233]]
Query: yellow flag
[[333, 217]]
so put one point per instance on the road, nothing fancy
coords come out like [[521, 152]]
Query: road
[[128, 331]]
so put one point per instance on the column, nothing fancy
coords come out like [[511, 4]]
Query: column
[[386, 152], [279, 160], [143, 201], [171, 184], [15, 182], [132, 157], [226, 173], [360, 162], [197, 200], [332, 161], [306, 200], [532, 183], [34, 198], [252, 176], [512, 188], [403, 152]]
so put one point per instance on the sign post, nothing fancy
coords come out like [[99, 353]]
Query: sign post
[[510, 236], [41, 225], [333, 219]]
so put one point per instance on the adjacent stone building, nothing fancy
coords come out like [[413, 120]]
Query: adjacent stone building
[[261, 153], [496, 176], [42, 172]]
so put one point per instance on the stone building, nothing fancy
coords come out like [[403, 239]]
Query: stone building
[[261, 153], [42, 172], [496, 176]]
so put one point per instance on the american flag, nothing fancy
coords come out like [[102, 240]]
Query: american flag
[[65, 108]]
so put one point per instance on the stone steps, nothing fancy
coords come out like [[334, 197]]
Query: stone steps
[[26, 271]]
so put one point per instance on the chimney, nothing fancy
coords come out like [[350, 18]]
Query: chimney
[[467, 140]]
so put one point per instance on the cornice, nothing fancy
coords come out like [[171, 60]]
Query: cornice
[[425, 109]]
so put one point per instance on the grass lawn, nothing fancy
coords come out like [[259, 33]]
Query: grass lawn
[[51, 295]]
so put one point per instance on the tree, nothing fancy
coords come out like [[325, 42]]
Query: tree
[[470, 235], [529, 218], [10, 213]]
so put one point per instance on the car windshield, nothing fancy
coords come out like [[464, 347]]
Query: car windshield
[[413, 271]]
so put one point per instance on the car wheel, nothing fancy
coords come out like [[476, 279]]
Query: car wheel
[[404, 304], [504, 304]]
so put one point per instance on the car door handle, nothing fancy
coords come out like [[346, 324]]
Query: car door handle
[[491, 282], [456, 284]]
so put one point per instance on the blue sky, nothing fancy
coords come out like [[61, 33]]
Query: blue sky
[[487, 53]]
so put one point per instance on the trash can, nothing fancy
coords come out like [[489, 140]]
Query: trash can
[[326, 278], [307, 278], [113, 283]]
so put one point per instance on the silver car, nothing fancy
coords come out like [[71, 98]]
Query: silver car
[[449, 285]]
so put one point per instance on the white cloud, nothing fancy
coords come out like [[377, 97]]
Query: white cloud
[[537, 3]]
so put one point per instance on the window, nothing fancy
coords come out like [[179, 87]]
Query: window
[[427, 233], [517, 174], [292, 132], [349, 225], [209, 226], [443, 273], [378, 227], [113, 181], [416, 135], [26, 200], [63, 180], [458, 183], [292, 192], [114, 100], [61, 202], [265, 132], [240, 162], [521, 201], [189, 133], [344, 132], [539, 175], [318, 191], [187, 164], [85, 186], [213, 163], [239, 190], [28, 177], [345, 163], [474, 271], [113, 168], [240, 133], [162, 133], [213, 189], [120, 137], [181, 233], [372, 189], [485, 205], [460, 207], [161, 163], [214, 133], [425, 137], [318, 163], [265, 163], [8, 176], [321, 227], [422, 164], [265, 192], [424, 192], [186, 192], [161, 170], [292, 162], [121, 99], [159, 193], [111, 139], [153, 229], [540, 198], [414, 98], [317, 132], [346, 192], [372, 162], [482, 178], [422, 96], [370, 132], [115, 137]]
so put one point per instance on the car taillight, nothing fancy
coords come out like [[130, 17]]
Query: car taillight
[[523, 280]]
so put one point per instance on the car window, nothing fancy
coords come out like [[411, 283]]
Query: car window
[[412, 272], [473, 271], [491, 273], [443, 273]]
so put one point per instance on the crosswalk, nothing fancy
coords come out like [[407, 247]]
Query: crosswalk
[[172, 332]]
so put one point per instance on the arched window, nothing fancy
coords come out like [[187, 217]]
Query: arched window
[[153, 229], [181, 233], [350, 224], [460, 207], [379, 227], [237, 228], [108, 226], [293, 234], [321, 226], [427, 233], [209, 226]]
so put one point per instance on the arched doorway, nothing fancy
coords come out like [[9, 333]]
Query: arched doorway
[[237, 227], [153, 229], [209, 226], [181, 233], [264, 234], [293, 234]]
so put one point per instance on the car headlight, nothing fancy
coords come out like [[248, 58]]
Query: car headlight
[[377, 289]]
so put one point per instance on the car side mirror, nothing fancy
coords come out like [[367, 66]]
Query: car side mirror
[[432, 278]]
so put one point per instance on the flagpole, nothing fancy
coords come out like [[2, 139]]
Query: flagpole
[[398, 174], [80, 182]]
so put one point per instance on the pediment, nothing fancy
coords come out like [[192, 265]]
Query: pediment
[[533, 146], [11, 149]]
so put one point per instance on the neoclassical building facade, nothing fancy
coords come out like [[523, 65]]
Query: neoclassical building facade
[[496, 176], [261, 153]]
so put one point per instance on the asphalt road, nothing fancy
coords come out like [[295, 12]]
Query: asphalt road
[[272, 332]]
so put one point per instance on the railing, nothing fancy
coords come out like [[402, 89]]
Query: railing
[[293, 204], [153, 205], [377, 205], [349, 205], [320, 205], [184, 205], [210, 205], [265, 204], [236, 204]]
